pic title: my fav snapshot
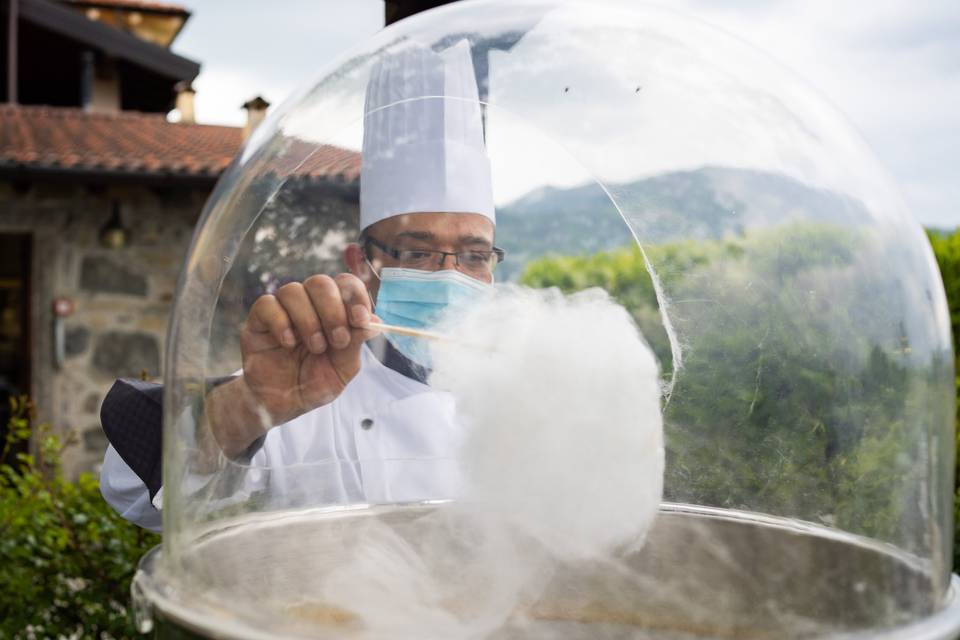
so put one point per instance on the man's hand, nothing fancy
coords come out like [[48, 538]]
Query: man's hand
[[302, 346]]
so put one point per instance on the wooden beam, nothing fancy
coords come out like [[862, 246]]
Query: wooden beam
[[395, 10], [12, 49], [111, 40]]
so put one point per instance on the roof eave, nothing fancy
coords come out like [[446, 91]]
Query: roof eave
[[171, 11], [109, 39], [17, 172], [20, 172]]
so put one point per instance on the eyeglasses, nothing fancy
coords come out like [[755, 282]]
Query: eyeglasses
[[472, 261]]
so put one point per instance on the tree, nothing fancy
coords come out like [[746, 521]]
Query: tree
[[798, 394]]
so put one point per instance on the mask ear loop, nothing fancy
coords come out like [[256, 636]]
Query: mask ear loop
[[373, 303], [372, 269]]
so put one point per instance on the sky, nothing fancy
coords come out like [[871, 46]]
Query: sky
[[891, 66]]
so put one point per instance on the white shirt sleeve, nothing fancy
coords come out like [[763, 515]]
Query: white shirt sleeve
[[125, 492]]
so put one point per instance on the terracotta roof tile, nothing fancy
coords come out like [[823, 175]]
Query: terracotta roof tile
[[307, 158], [33, 137]]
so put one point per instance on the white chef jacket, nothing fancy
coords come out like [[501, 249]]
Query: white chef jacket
[[386, 439]]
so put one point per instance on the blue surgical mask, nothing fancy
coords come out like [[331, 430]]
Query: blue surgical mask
[[417, 299]]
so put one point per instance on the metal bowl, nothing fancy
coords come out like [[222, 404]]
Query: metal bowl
[[702, 573]]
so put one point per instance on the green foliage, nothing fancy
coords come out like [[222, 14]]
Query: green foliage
[[798, 395], [946, 248], [623, 273], [66, 558]]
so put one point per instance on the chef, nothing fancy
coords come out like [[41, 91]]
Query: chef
[[325, 410]]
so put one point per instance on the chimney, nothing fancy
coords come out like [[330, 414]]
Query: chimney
[[184, 104], [256, 111], [87, 77]]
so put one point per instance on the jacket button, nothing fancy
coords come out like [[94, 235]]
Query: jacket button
[[366, 424]]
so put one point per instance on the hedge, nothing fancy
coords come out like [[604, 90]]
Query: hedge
[[66, 557]]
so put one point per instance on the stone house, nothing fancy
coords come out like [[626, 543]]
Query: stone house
[[99, 195]]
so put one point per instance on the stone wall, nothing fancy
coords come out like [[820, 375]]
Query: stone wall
[[122, 297]]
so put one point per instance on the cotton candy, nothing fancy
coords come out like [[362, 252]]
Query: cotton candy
[[561, 461], [560, 399]]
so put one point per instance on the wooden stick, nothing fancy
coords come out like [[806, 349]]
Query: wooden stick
[[406, 331]]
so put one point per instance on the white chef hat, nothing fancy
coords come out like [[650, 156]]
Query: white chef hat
[[423, 144]]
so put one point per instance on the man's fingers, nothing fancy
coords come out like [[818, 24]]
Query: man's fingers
[[355, 299], [328, 304], [296, 302], [321, 313], [364, 334], [359, 312], [268, 325]]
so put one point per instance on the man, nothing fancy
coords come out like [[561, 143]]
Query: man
[[316, 417], [303, 346]]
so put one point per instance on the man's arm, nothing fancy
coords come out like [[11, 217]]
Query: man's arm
[[131, 476], [126, 493], [132, 419], [300, 349], [235, 418]]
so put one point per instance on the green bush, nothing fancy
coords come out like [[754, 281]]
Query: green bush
[[66, 558], [792, 402], [946, 248]]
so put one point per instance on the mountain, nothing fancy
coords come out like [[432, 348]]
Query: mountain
[[710, 202]]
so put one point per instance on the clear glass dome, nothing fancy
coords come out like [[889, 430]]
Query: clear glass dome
[[793, 305]]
